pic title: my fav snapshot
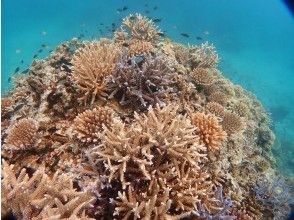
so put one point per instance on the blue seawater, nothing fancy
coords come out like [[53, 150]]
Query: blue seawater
[[254, 38]]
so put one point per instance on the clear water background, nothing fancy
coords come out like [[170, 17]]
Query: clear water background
[[254, 38]]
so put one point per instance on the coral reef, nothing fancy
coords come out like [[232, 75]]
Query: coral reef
[[136, 128]]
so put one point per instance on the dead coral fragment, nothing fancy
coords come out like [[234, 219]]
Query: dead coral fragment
[[209, 130], [141, 84], [202, 76], [40, 196], [232, 123], [139, 48], [22, 135], [88, 125], [91, 66], [141, 28]]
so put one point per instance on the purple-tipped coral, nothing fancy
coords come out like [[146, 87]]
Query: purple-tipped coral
[[141, 81]]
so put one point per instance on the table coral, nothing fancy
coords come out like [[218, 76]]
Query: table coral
[[135, 127]]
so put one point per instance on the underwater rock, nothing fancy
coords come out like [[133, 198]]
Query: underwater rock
[[140, 128]]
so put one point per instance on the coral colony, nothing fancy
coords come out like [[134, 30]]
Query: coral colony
[[136, 128]]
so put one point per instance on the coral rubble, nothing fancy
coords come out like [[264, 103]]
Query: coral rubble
[[136, 128]]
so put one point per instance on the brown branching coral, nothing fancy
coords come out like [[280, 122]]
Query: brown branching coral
[[209, 130], [141, 84], [215, 108], [22, 135], [204, 56], [88, 125], [202, 76], [92, 64], [232, 123], [161, 152], [39, 196], [219, 97], [139, 48], [6, 106], [141, 28]]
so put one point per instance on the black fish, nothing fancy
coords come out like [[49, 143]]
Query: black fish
[[199, 38], [82, 35], [156, 20], [113, 24], [147, 11], [21, 61], [101, 24], [35, 56], [44, 45], [9, 79], [125, 8], [155, 7], [25, 71], [16, 70], [50, 51], [185, 35], [161, 34], [146, 5], [40, 51]]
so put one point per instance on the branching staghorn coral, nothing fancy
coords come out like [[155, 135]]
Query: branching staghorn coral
[[92, 64], [39, 196], [141, 84], [204, 56], [215, 108], [141, 28], [202, 76], [209, 130], [88, 125], [232, 123], [22, 135], [140, 48]]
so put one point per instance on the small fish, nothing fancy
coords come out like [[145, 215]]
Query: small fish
[[35, 56], [40, 51], [206, 32], [43, 33], [156, 20], [155, 8], [25, 71], [16, 70], [82, 35], [50, 51], [101, 24], [9, 79], [185, 35], [147, 11], [167, 40], [44, 45], [146, 5], [18, 51], [161, 34], [21, 61], [119, 10], [125, 8], [199, 38]]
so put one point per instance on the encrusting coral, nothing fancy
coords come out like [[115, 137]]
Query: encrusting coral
[[136, 128]]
